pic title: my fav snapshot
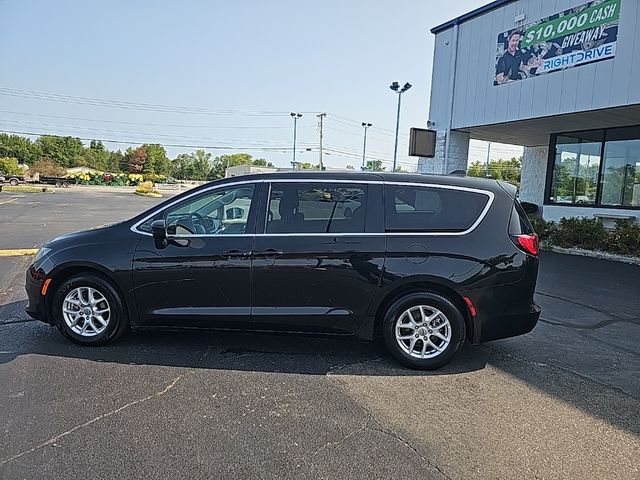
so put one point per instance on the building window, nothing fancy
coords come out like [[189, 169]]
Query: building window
[[621, 171], [576, 167], [596, 168]]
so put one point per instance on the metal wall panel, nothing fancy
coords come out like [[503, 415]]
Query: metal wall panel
[[477, 101]]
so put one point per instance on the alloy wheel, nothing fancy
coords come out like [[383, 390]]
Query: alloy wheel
[[423, 331], [86, 311]]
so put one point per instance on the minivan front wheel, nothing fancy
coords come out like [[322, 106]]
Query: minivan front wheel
[[423, 330], [88, 310]]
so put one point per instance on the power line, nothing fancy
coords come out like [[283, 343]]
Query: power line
[[144, 134], [121, 122], [128, 142], [53, 97]]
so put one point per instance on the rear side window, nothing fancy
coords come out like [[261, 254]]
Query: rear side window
[[519, 223], [316, 208], [431, 209]]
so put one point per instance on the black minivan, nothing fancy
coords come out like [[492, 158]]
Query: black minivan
[[425, 262]]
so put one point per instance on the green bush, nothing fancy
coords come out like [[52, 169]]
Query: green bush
[[544, 229], [624, 239], [584, 233], [145, 187], [589, 234]]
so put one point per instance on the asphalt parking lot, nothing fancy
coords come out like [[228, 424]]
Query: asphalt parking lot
[[560, 402]]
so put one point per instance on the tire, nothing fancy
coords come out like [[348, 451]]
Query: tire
[[112, 324], [65, 184], [447, 321], [13, 182], [58, 184]]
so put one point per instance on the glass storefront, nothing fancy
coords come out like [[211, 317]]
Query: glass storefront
[[596, 168]]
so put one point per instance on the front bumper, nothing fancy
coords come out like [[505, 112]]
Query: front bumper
[[36, 308]]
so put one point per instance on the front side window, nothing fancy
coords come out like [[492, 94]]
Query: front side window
[[223, 211], [316, 208], [431, 209]]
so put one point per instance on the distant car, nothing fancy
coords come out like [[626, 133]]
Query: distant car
[[12, 180], [425, 262]]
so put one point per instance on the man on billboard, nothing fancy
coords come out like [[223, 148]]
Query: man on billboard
[[509, 65]]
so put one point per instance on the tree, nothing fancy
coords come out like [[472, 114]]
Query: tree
[[9, 166], [62, 150], [182, 166], [115, 161], [306, 166], [96, 156], [136, 158], [47, 167], [221, 163], [261, 162], [157, 160], [375, 165], [507, 170], [201, 165], [19, 147]]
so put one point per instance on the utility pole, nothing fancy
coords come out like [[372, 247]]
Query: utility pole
[[486, 165], [364, 146], [321, 117], [295, 117]]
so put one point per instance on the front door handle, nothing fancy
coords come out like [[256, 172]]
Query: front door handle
[[269, 252], [235, 254]]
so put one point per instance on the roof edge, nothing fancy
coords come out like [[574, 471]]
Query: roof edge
[[472, 14]]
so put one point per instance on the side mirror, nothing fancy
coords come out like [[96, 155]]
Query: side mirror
[[234, 213], [159, 232]]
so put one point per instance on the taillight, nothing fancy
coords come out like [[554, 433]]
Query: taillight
[[528, 243]]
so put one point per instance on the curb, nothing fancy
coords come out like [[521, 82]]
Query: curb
[[595, 254], [18, 252]]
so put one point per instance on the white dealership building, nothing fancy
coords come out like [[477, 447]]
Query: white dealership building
[[559, 77]]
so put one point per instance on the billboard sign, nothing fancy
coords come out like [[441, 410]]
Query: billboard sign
[[584, 34]]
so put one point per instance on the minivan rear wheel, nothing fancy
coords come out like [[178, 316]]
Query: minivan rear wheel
[[423, 330]]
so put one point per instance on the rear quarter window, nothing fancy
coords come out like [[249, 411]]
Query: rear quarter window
[[431, 209], [519, 223]]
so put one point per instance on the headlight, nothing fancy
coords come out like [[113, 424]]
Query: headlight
[[41, 253]]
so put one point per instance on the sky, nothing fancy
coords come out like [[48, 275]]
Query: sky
[[225, 75]]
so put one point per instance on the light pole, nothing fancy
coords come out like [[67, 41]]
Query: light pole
[[395, 86], [486, 164], [364, 146], [295, 117]]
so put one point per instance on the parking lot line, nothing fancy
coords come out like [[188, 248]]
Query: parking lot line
[[17, 252], [8, 201]]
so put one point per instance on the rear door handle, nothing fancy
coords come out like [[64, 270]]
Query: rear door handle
[[269, 252], [235, 254]]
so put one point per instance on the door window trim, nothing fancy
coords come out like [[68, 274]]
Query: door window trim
[[264, 203]]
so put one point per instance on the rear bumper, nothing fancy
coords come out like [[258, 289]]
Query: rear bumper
[[495, 327]]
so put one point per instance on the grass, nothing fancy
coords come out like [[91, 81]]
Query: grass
[[26, 189]]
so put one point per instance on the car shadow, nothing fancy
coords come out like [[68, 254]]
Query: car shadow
[[310, 355], [222, 349]]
